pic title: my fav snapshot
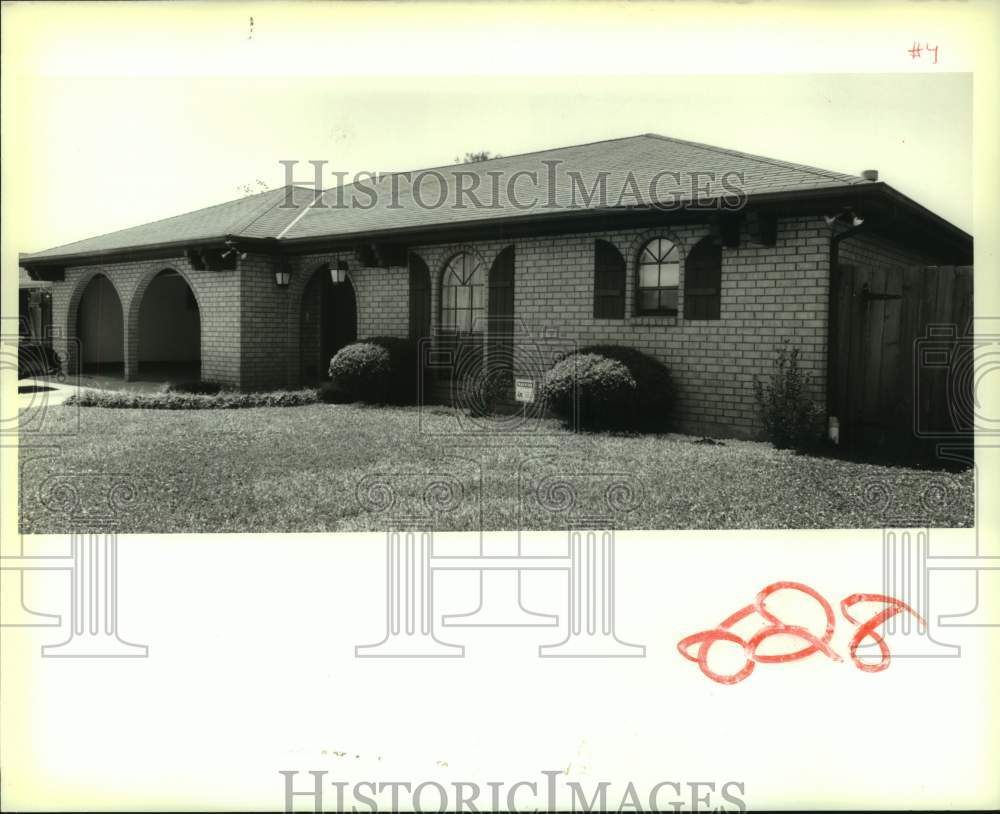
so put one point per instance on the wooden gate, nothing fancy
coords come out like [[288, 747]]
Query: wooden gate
[[879, 390]]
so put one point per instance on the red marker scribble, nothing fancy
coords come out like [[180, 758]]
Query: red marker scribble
[[705, 639], [869, 629]]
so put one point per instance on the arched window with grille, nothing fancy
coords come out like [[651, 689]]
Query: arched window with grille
[[463, 299], [658, 277]]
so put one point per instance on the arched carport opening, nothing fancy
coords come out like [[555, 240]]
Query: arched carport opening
[[328, 320], [169, 329], [100, 328]]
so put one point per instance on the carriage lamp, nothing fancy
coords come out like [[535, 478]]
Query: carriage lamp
[[338, 272], [282, 275]]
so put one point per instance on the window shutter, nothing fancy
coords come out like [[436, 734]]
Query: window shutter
[[703, 281], [420, 298], [609, 281]]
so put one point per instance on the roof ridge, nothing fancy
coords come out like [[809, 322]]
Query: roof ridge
[[257, 214], [777, 162], [832, 174], [521, 155]]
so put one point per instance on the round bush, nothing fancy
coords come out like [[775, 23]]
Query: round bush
[[614, 387], [380, 370]]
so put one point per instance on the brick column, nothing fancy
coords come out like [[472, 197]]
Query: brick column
[[130, 338]]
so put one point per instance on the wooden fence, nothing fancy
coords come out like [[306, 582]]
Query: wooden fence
[[900, 353]]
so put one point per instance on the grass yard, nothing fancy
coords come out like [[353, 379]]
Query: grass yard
[[328, 467]]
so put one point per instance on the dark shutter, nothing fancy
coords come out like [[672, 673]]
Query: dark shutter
[[703, 280], [501, 310], [609, 281], [420, 298]]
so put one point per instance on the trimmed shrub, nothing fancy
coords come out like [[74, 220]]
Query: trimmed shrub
[[791, 418], [194, 386], [489, 391], [225, 400], [615, 388], [380, 370], [329, 393]]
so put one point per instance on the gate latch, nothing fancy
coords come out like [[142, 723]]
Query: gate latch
[[867, 294]]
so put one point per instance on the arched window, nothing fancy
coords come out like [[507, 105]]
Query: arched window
[[462, 294], [703, 280], [659, 277]]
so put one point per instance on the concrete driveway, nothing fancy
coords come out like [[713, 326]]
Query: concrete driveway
[[52, 390], [33, 392]]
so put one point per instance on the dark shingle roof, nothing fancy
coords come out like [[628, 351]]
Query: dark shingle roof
[[644, 158], [260, 215], [663, 169]]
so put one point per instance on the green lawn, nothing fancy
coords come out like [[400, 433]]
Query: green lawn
[[346, 467]]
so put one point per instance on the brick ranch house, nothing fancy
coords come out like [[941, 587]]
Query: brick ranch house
[[735, 258]]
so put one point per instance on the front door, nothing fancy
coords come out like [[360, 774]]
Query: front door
[[328, 322]]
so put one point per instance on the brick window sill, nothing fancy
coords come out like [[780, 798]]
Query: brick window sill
[[653, 319]]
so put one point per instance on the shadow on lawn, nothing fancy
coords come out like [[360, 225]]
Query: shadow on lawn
[[901, 452]]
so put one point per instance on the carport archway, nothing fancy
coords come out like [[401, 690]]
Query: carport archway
[[328, 320], [100, 327], [169, 329]]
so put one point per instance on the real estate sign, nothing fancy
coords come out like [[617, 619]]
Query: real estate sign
[[524, 390]]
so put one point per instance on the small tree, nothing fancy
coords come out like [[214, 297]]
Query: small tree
[[791, 418], [255, 188], [482, 155]]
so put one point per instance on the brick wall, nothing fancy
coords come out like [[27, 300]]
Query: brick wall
[[251, 332], [768, 294], [250, 328], [381, 296], [865, 248], [266, 323], [217, 294]]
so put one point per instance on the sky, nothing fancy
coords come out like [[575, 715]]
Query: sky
[[113, 123]]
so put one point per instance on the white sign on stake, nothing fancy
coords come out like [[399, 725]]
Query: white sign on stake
[[524, 390]]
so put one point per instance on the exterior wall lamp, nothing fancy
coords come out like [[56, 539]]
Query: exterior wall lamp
[[338, 272], [282, 274]]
